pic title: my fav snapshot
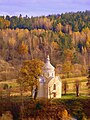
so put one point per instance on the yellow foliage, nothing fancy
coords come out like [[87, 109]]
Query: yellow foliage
[[20, 34], [64, 115], [23, 48], [68, 53], [88, 42], [4, 23], [59, 27], [67, 67], [55, 45], [30, 72], [12, 42]]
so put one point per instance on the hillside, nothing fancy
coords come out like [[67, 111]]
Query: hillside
[[64, 37], [7, 71]]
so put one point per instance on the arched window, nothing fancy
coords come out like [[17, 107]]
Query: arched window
[[54, 94], [54, 87]]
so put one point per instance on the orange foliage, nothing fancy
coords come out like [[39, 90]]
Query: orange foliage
[[23, 48]]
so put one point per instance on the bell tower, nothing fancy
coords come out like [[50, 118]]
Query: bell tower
[[48, 69]]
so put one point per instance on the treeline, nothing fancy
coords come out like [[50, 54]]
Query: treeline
[[24, 38], [66, 22]]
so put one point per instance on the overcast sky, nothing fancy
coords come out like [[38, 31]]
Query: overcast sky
[[42, 7]]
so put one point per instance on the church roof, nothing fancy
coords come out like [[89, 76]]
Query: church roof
[[48, 65]]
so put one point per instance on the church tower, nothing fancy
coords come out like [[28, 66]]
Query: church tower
[[48, 69]]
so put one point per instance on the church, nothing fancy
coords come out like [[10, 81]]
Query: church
[[50, 85]]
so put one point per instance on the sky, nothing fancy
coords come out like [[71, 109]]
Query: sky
[[41, 7]]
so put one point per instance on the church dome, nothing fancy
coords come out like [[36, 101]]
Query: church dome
[[48, 65]]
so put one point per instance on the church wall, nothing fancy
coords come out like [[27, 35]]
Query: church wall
[[57, 91], [41, 90]]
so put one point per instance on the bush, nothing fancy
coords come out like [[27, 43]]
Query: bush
[[7, 116]]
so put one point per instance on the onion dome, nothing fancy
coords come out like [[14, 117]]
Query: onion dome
[[48, 65]]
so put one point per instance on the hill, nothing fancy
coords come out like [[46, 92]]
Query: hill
[[64, 37], [7, 71]]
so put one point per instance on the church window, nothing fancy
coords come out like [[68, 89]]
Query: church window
[[54, 94], [54, 87]]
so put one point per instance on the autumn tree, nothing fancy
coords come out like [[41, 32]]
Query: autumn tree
[[54, 49], [4, 23], [11, 47], [23, 49], [88, 45], [67, 29], [59, 27], [67, 68], [68, 54], [1, 23], [29, 74], [42, 23], [28, 78]]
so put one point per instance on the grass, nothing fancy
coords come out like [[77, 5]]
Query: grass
[[83, 88], [70, 89], [82, 78], [73, 96], [12, 83]]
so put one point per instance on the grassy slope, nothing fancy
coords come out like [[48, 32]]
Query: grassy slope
[[71, 85]]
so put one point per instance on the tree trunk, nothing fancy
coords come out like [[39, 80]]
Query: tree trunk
[[35, 95], [77, 91], [22, 102]]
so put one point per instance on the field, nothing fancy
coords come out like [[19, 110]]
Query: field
[[83, 89]]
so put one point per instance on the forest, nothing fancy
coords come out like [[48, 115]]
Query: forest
[[65, 37]]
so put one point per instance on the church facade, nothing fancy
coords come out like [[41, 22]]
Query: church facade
[[50, 86]]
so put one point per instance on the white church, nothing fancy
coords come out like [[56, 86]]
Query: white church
[[50, 86]]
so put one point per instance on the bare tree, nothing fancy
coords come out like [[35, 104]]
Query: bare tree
[[77, 87], [65, 87]]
